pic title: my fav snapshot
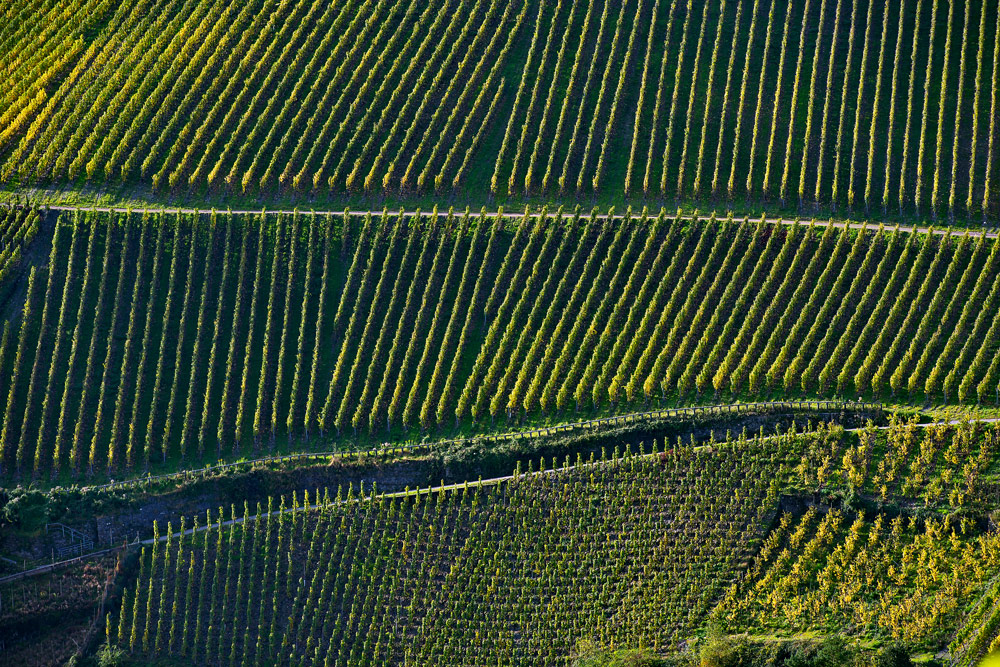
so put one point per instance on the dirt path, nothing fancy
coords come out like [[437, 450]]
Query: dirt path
[[703, 218]]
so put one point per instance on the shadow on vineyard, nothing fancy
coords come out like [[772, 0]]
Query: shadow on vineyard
[[737, 559], [127, 512]]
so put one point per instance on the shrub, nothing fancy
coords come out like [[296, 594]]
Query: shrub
[[590, 654]]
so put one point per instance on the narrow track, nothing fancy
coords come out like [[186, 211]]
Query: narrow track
[[990, 234]]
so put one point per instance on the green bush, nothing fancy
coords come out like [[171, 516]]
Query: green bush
[[29, 509], [834, 651], [26, 509], [110, 656], [590, 654]]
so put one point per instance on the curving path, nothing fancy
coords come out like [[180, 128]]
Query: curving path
[[423, 491]]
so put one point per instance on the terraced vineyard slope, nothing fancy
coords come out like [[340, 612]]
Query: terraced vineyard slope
[[196, 337], [635, 551], [876, 107]]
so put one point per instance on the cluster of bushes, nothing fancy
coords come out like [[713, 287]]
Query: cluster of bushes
[[29, 509], [728, 651], [833, 651]]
